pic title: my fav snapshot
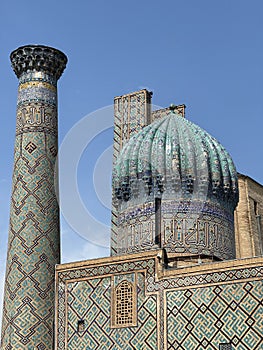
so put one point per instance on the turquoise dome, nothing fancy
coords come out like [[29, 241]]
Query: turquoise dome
[[175, 187], [175, 155]]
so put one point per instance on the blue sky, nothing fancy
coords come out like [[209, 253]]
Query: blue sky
[[205, 54]]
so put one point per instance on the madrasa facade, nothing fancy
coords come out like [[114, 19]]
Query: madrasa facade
[[186, 263]]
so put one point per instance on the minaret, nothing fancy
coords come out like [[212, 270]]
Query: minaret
[[34, 240]]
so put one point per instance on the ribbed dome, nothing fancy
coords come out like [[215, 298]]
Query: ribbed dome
[[173, 156], [175, 187]]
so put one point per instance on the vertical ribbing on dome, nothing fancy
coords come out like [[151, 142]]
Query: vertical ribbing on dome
[[215, 173], [202, 171], [159, 157], [227, 176], [224, 168], [176, 160], [191, 168], [182, 155], [134, 166], [144, 154], [176, 154], [179, 163], [172, 175]]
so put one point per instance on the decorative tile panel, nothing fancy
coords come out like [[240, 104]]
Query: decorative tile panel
[[203, 318], [90, 300], [220, 302]]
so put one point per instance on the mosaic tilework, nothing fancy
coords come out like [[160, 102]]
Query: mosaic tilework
[[108, 275], [201, 229], [36, 116], [205, 278], [43, 91], [188, 227], [205, 317], [136, 229], [90, 301], [178, 296], [33, 245]]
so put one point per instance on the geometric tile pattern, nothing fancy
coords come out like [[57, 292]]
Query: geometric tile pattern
[[90, 300], [104, 278], [203, 318], [33, 245], [199, 311]]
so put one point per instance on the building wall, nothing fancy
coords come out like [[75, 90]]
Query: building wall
[[197, 307], [248, 218], [86, 294], [203, 318], [90, 300]]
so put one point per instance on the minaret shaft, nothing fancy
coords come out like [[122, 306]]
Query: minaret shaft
[[34, 240]]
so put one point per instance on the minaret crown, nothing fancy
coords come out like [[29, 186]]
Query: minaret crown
[[38, 58]]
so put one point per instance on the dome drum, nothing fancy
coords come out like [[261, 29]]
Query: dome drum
[[187, 227]]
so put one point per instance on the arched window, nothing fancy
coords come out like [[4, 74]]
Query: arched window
[[124, 305]]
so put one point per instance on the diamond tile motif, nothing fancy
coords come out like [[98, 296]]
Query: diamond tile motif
[[90, 300], [232, 322]]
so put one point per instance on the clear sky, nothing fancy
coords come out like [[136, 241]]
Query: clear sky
[[205, 54]]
